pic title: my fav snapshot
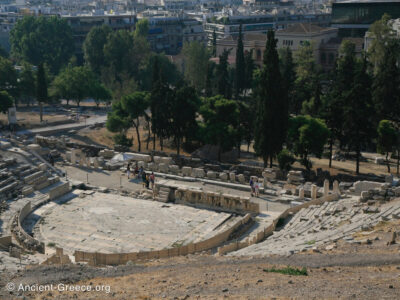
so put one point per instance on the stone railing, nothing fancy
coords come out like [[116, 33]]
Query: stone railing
[[267, 231], [95, 258]]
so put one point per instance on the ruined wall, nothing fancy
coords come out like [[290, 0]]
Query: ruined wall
[[95, 258], [216, 200]]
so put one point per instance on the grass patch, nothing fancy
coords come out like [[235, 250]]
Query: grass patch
[[51, 244], [288, 271], [312, 242], [177, 244]]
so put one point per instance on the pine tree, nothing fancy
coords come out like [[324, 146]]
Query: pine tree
[[240, 66], [214, 44], [41, 89], [272, 113], [223, 84], [249, 69]]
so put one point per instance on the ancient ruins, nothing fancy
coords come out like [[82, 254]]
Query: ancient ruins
[[85, 209]]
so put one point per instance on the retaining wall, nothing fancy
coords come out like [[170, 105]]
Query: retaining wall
[[267, 231], [95, 258]]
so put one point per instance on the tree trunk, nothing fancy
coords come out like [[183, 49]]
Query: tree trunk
[[137, 133], [239, 144], [67, 102], [330, 152], [154, 142], [161, 144], [149, 135], [387, 161], [41, 111], [358, 160], [178, 146], [270, 161], [248, 147], [219, 153], [265, 159]]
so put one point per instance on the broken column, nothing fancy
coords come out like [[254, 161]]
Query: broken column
[[73, 156], [301, 193], [232, 177], [326, 187], [336, 189], [313, 191]]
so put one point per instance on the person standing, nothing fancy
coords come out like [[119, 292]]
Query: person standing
[[252, 186], [143, 178], [257, 189], [128, 170], [152, 180]]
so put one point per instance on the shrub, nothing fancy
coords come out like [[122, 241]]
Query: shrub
[[121, 139], [285, 160], [288, 271]]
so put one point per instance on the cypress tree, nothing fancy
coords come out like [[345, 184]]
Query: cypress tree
[[223, 84], [240, 66], [214, 44], [272, 112], [41, 89]]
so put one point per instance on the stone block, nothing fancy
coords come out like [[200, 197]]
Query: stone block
[[166, 160], [336, 189], [5, 145], [157, 159], [223, 176], [197, 172], [326, 187], [152, 166], [34, 147], [42, 167], [241, 178], [379, 160], [142, 164], [211, 175], [269, 174], [163, 168], [139, 156], [186, 171], [174, 169], [301, 193], [389, 178], [232, 177], [313, 192], [361, 186]]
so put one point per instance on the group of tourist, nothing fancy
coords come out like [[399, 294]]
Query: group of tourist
[[140, 173], [255, 188]]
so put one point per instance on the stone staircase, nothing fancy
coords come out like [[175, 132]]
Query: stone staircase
[[163, 194]]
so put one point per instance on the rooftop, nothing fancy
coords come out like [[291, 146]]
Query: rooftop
[[303, 28]]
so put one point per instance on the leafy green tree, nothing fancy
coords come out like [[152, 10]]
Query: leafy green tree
[[285, 160], [387, 139], [27, 83], [240, 67], [135, 105], [142, 28], [381, 33], [219, 126], [77, 84], [8, 77], [182, 109], [93, 47], [3, 52], [307, 76], [214, 44], [307, 135], [6, 101], [159, 105], [272, 109], [209, 88], [223, 81], [358, 114], [196, 61], [386, 85], [248, 70], [42, 40], [118, 121], [41, 89], [288, 71], [99, 92]]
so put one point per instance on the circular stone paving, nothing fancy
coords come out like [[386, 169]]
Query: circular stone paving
[[111, 223]]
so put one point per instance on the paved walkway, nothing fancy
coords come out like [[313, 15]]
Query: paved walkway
[[49, 129]]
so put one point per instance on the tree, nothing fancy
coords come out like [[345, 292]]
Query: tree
[[196, 61], [6, 101], [182, 110], [118, 121], [240, 80], [99, 93], [272, 110], [46, 40], [381, 33], [307, 135], [135, 106], [219, 124], [93, 47], [214, 44], [209, 88], [359, 111], [386, 85], [387, 139], [287, 68], [142, 28], [248, 70], [8, 77], [223, 84], [285, 160], [78, 83], [41, 89], [3, 52], [307, 76], [27, 83]]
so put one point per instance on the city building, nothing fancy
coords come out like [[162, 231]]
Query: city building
[[353, 17]]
